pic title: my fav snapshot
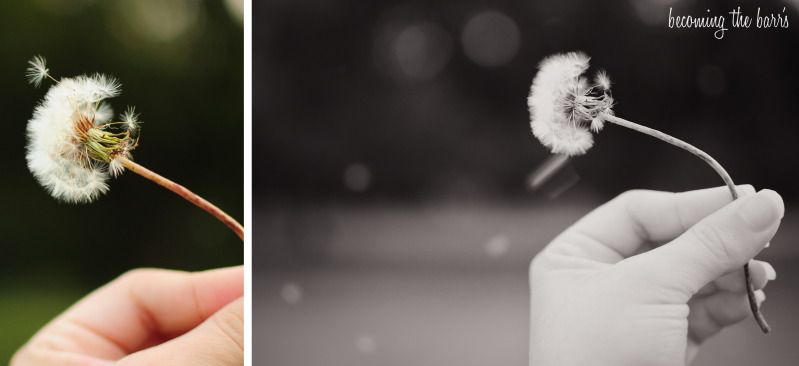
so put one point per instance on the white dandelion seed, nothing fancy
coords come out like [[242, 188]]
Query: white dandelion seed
[[37, 71], [564, 109], [131, 118], [96, 88], [563, 106], [115, 167], [602, 79]]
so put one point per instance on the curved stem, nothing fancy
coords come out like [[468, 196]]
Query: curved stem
[[186, 194], [750, 290]]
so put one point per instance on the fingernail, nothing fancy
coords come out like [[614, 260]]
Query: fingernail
[[760, 296], [771, 274], [767, 245], [762, 209]]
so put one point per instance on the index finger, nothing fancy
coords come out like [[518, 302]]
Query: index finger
[[619, 228]]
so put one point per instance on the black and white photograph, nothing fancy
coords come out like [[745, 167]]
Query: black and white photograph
[[532, 182]]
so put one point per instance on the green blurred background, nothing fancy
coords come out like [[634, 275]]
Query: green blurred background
[[181, 65]]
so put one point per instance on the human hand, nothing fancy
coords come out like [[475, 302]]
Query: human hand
[[605, 292], [148, 317]]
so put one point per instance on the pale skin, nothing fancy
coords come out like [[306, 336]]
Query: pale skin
[[646, 278], [148, 317]]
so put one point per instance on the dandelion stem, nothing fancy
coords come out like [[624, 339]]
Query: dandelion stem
[[186, 194], [750, 290], [47, 75]]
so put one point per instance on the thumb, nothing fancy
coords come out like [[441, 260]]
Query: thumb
[[721, 242], [219, 341]]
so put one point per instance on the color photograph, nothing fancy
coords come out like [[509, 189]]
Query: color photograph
[[123, 175]]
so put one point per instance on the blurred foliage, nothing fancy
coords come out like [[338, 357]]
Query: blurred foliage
[[27, 306], [186, 79]]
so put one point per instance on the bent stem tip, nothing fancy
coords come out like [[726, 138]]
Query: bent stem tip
[[188, 195]]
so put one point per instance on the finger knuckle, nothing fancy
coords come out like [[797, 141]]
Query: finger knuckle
[[634, 195], [715, 241], [746, 189], [230, 323], [631, 201], [135, 275], [145, 275]]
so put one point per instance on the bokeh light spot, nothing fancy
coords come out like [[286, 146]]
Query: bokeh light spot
[[653, 12], [365, 343], [291, 293], [497, 246], [357, 177], [422, 50], [157, 20], [236, 9], [491, 39]]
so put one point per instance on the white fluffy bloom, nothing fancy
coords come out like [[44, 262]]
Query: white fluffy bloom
[[563, 106], [72, 146]]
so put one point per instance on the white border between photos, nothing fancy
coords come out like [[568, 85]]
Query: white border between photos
[[248, 298]]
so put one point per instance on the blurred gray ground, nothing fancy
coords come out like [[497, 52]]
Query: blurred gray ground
[[465, 318], [440, 285]]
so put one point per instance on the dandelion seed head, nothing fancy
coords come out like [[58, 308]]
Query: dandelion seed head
[[72, 147], [564, 105]]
